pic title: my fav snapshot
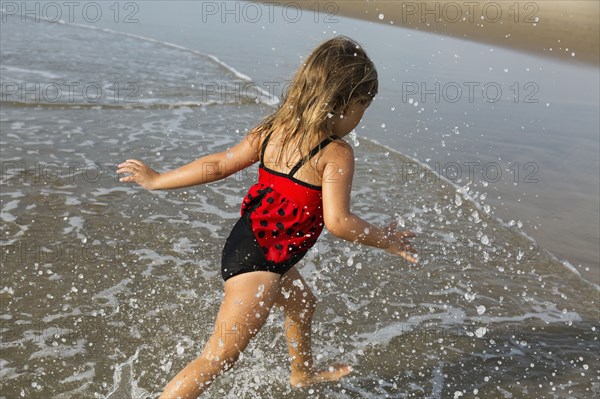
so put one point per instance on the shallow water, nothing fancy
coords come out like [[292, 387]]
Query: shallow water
[[108, 290]]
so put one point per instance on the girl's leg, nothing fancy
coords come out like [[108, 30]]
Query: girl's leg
[[299, 304], [246, 305]]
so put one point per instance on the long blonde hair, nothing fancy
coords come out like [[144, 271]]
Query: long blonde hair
[[335, 75]]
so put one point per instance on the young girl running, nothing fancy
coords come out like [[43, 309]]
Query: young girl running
[[304, 183]]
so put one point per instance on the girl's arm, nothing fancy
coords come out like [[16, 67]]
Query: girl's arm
[[207, 169], [341, 222]]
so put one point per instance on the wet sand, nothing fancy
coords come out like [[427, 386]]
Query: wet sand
[[567, 30]]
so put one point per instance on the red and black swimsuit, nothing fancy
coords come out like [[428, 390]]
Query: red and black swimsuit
[[281, 219]]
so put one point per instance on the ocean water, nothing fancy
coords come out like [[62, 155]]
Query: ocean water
[[108, 290], [521, 127]]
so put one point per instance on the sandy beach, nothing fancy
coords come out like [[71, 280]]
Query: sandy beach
[[567, 30]]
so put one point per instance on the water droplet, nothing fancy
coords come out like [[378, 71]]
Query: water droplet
[[261, 290], [352, 136], [298, 284], [457, 200]]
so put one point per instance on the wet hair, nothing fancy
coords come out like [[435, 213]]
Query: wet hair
[[338, 73]]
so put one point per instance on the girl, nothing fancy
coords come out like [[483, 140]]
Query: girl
[[304, 183]]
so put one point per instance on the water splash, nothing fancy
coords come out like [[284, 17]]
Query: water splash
[[352, 136]]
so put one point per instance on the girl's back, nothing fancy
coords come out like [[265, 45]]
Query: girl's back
[[282, 214], [310, 172]]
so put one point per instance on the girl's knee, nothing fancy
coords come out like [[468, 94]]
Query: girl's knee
[[309, 302], [232, 334], [303, 311], [220, 361]]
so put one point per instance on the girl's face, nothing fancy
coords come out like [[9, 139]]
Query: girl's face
[[343, 124]]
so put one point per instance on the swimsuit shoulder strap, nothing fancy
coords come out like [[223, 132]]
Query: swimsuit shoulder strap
[[264, 147], [312, 153]]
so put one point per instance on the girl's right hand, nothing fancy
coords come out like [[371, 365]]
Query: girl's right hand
[[399, 245], [139, 173]]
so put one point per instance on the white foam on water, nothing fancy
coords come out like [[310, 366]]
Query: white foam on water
[[544, 311], [6, 372], [51, 317], [83, 375], [45, 74], [115, 189], [110, 294], [80, 391], [184, 246], [75, 225], [152, 103], [271, 100], [452, 316], [146, 103], [124, 383], [9, 217], [5, 215], [66, 350], [156, 259], [437, 380], [72, 201]]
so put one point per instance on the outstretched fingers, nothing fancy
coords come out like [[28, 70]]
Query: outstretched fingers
[[138, 173], [135, 161], [408, 256], [407, 246], [400, 245], [130, 166]]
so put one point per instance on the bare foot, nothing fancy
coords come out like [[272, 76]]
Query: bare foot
[[333, 373]]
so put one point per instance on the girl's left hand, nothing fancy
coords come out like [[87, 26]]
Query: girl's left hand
[[399, 244], [140, 173]]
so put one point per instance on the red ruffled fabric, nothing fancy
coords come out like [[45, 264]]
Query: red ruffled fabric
[[286, 216]]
